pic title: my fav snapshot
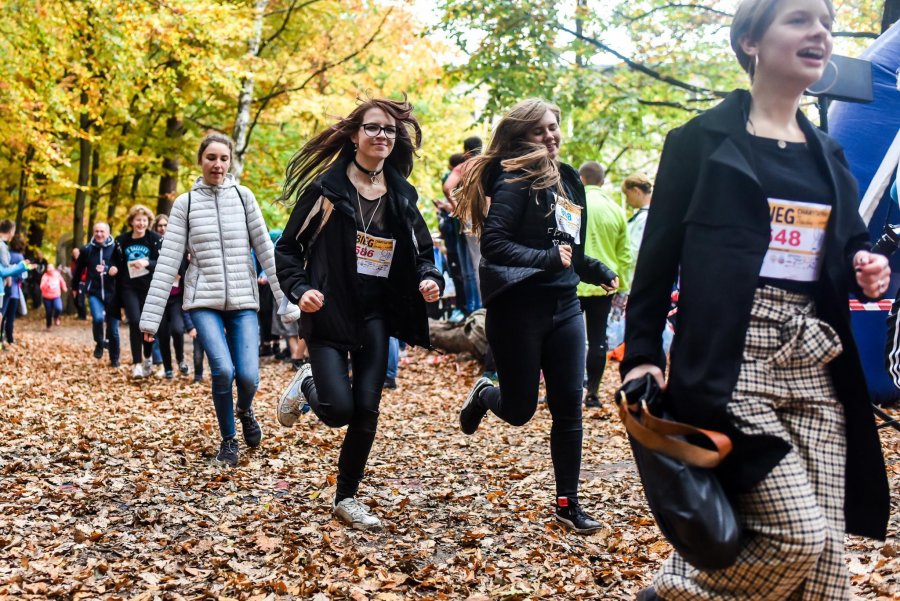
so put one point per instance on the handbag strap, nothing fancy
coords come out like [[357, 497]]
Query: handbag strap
[[657, 435]]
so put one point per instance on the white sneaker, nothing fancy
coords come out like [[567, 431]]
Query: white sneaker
[[292, 402], [137, 372], [356, 514], [147, 367]]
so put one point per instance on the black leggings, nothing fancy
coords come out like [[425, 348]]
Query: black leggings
[[171, 328], [132, 301], [338, 403], [596, 314], [532, 332]]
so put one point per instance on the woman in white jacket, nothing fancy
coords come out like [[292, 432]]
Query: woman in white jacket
[[218, 222]]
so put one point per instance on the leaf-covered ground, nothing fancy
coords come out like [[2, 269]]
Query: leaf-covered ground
[[107, 490]]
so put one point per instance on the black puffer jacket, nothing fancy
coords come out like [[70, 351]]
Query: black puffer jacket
[[329, 264], [520, 240]]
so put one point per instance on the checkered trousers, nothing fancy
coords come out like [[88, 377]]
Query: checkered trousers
[[793, 520]]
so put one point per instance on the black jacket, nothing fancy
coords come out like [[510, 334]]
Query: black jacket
[[709, 223], [519, 239], [91, 256], [125, 247], [329, 265]]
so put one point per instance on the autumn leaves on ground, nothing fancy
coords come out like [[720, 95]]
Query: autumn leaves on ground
[[107, 490]]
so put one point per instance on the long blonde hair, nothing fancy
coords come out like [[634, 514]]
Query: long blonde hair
[[510, 149]]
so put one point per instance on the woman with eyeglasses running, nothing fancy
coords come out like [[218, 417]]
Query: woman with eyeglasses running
[[530, 211], [356, 256], [755, 212]]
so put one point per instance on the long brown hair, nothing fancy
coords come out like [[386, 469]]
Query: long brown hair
[[510, 149], [334, 144]]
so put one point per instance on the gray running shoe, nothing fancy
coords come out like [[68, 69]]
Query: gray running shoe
[[356, 514], [292, 403]]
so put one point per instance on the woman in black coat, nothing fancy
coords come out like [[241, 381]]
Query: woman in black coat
[[755, 211], [532, 248], [357, 258]]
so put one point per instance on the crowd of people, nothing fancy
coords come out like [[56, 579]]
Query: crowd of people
[[549, 256]]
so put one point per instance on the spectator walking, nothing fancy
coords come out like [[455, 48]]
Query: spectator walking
[[96, 265], [218, 222], [638, 192], [136, 254], [14, 301], [606, 240], [53, 286]]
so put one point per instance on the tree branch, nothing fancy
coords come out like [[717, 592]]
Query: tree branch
[[855, 34], [641, 68], [674, 5], [284, 23]]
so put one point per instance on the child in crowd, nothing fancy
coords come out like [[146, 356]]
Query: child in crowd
[[53, 286]]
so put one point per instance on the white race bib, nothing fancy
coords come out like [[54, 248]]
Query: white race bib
[[373, 255], [568, 218], [797, 240]]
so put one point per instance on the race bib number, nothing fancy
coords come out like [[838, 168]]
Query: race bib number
[[797, 240], [373, 255], [568, 218]]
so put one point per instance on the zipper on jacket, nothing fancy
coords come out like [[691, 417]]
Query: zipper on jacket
[[221, 246]]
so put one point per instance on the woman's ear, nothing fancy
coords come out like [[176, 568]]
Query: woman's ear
[[751, 49]]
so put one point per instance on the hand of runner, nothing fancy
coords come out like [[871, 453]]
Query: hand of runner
[[565, 254], [873, 273], [647, 368], [430, 290], [312, 301]]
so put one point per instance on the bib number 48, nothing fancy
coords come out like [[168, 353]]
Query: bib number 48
[[786, 236]]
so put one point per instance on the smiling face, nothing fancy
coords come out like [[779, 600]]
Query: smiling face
[[546, 132], [373, 150], [101, 233], [215, 160], [139, 224], [796, 47]]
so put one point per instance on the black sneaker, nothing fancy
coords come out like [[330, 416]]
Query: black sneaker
[[250, 427], [473, 411], [571, 514], [265, 350], [647, 594], [390, 383], [98, 350], [228, 452], [592, 401]]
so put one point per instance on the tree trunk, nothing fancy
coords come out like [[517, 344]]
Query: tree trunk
[[95, 188], [245, 100], [115, 187], [891, 14], [23, 187], [168, 181], [84, 174]]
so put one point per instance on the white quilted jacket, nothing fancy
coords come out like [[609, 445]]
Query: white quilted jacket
[[221, 274]]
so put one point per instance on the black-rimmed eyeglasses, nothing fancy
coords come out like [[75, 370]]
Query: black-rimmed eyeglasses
[[373, 129]]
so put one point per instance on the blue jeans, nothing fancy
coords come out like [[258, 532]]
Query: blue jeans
[[99, 316], [393, 358], [469, 275], [231, 341]]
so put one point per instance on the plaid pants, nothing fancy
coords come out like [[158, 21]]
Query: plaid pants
[[793, 520]]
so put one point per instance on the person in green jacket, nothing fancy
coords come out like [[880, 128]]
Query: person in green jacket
[[607, 241]]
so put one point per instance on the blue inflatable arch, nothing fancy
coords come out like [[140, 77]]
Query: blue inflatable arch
[[867, 133]]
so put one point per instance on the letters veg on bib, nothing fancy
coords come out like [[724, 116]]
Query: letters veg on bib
[[796, 242]]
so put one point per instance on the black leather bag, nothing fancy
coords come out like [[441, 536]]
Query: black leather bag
[[687, 500]]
